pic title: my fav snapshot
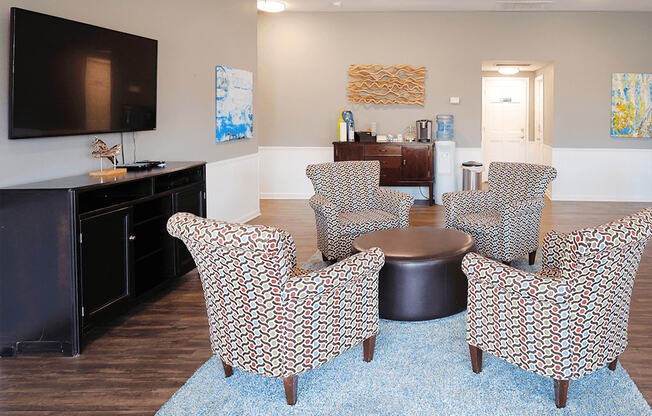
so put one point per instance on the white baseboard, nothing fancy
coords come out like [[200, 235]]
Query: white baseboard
[[589, 174], [233, 189]]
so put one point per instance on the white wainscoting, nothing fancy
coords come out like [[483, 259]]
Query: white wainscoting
[[547, 160], [283, 170], [233, 189], [602, 174]]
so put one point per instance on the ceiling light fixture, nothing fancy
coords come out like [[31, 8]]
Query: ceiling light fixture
[[508, 70], [270, 6]]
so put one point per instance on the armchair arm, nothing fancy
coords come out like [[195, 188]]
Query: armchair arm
[[552, 250], [323, 206], [521, 208], [313, 284], [529, 285], [465, 202], [395, 202], [290, 249]]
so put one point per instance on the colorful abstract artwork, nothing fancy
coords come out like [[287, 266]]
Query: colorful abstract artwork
[[631, 105], [233, 104]]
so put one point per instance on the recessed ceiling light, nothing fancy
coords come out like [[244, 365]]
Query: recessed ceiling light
[[270, 6], [508, 70], [337, 3]]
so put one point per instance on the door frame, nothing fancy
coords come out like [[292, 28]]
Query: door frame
[[483, 143], [539, 106]]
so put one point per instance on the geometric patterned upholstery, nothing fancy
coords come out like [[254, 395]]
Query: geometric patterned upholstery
[[264, 315], [504, 220], [348, 202], [570, 319]]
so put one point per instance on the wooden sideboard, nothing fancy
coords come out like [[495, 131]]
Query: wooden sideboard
[[78, 251], [401, 164]]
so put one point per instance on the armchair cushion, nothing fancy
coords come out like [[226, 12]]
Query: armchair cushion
[[394, 202], [360, 222]]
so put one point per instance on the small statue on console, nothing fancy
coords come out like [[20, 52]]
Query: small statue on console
[[101, 151]]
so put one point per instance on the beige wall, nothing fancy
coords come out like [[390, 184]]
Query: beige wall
[[194, 36], [303, 60]]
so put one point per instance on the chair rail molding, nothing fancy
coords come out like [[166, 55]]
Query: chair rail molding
[[233, 188]]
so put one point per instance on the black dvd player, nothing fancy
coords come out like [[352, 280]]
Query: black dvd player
[[143, 165]]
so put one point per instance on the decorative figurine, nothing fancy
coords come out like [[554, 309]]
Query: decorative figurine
[[101, 151]]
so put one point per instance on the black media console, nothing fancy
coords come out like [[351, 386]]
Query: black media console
[[77, 251]]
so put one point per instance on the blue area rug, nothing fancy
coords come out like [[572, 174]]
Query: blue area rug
[[420, 368]]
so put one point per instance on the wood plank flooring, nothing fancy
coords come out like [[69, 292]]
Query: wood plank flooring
[[135, 364]]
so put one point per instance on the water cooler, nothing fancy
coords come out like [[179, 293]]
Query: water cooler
[[444, 168]]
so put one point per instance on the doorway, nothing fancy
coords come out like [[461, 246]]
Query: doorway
[[505, 119]]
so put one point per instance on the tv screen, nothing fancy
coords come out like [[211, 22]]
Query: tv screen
[[71, 78]]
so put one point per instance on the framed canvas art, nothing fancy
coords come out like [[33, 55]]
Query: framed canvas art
[[631, 105], [233, 104]]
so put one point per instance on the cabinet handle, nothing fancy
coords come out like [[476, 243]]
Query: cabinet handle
[[132, 237], [403, 162]]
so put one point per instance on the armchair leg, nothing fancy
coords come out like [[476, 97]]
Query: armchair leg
[[368, 348], [476, 358], [228, 370], [612, 365], [561, 393], [290, 385], [532, 257]]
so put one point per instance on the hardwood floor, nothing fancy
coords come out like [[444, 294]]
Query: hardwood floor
[[134, 365]]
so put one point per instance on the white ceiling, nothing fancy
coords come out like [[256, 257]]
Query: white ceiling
[[467, 5]]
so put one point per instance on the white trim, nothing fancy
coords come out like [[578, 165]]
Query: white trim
[[233, 188], [598, 174], [547, 160]]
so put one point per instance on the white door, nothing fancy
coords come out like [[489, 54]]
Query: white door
[[504, 119], [537, 145]]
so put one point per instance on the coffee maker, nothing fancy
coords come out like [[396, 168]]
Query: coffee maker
[[424, 130]]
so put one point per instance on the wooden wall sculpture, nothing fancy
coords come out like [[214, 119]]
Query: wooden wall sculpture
[[393, 84]]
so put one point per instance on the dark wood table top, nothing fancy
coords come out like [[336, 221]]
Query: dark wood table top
[[85, 181], [416, 243]]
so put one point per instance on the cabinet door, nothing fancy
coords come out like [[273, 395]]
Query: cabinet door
[[106, 262], [348, 151], [189, 200], [417, 163]]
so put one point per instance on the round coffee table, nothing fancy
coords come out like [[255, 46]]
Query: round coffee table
[[422, 278]]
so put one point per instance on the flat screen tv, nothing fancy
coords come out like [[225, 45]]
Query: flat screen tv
[[70, 78]]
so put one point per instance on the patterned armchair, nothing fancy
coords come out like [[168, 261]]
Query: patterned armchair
[[571, 318], [349, 202], [504, 220], [264, 316]]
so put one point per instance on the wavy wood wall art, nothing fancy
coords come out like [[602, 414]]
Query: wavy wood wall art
[[393, 84]]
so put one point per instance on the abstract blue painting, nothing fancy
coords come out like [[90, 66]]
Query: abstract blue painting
[[233, 104]]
